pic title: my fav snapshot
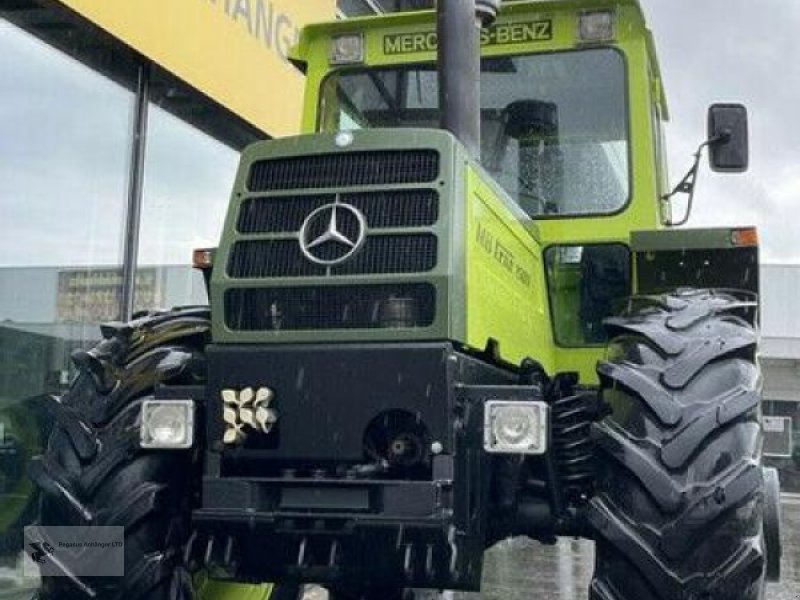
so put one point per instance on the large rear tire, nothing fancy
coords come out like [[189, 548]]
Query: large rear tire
[[679, 511], [94, 473]]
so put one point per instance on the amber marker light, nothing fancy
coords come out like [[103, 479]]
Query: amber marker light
[[203, 258], [747, 236]]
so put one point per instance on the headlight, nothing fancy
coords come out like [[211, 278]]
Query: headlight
[[167, 424], [512, 427]]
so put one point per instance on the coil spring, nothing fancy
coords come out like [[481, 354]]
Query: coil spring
[[573, 416]]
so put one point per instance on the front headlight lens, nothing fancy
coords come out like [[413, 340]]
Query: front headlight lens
[[515, 427], [167, 424]]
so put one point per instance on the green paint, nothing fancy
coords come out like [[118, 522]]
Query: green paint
[[505, 298], [209, 589]]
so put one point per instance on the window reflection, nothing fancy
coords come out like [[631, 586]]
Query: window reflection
[[63, 157], [63, 180], [188, 180]]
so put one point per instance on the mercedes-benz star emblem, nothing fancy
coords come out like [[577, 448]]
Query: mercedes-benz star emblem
[[312, 242]]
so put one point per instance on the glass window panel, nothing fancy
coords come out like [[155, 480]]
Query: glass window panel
[[64, 149], [188, 181], [64, 153], [586, 284], [554, 126]]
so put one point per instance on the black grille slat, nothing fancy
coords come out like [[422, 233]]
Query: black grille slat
[[392, 254], [385, 167], [321, 308], [384, 209], [380, 255], [270, 258], [277, 215], [409, 208]]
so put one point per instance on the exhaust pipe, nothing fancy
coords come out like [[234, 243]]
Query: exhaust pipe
[[459, 24]]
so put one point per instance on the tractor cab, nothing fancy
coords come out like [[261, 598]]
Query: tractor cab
[[562, 124]]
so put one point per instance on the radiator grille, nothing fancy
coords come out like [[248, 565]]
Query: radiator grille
[[344, 169], [397, 241], [380, 254], [384, 209], [332, 307]]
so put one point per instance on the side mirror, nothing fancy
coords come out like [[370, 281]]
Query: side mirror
[[727, 133]]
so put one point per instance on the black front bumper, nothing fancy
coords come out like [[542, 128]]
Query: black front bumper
[[345, 533], [292, 505]]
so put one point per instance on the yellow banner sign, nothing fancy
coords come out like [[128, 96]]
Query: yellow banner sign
[[234, 51]]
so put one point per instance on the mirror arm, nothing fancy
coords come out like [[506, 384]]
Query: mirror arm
[[687, 184]]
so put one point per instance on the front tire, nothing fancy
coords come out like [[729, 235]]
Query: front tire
[[679, 511], [95, 474]]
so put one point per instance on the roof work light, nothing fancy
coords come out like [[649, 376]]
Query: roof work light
[[347, 49], [596, 26]]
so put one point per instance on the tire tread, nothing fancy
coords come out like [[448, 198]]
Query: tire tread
[[683, 382]]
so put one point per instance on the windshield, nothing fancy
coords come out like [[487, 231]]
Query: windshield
[[554, 126]]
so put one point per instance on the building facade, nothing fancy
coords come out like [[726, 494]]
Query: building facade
[[121, 128], [780, 361]]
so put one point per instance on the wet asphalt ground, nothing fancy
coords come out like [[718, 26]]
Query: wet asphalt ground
[[524, 570]]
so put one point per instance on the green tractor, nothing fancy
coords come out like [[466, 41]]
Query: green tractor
[[454, 310]]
